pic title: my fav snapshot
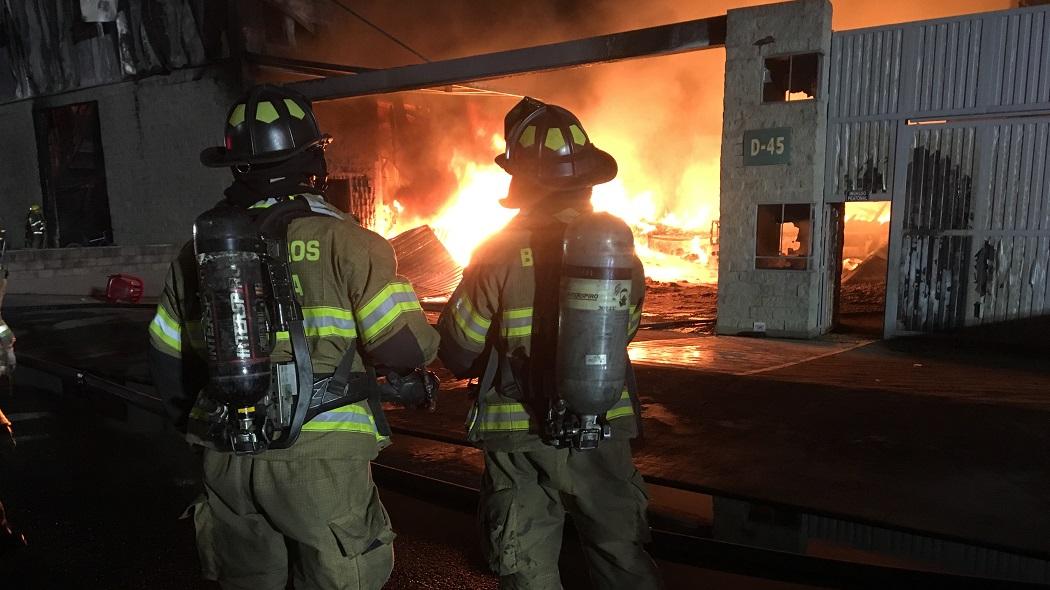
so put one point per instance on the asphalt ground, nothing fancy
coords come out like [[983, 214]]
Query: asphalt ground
[[99, 504], [926, 435]]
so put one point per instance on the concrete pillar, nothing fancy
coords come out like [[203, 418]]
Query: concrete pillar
[[784, 302]]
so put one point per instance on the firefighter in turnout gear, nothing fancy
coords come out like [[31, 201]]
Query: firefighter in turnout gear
[[501, 326], [311, 506], [36, 228]]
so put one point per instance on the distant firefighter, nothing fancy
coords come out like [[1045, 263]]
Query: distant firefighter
[[36, 228]]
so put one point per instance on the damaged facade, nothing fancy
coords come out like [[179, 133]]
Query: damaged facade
[[104, 106], [947, 120]]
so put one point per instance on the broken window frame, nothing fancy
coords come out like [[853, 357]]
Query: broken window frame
[[74, 218], [779, 261], [783, 94]]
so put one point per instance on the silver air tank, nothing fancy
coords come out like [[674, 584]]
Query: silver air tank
[[594, 311]]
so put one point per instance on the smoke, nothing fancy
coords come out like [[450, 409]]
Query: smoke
[[660, 117]]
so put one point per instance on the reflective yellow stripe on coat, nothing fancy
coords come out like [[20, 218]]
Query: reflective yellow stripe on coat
[[348, 418], [512, 417], [326, 322], [517, 323], [165, 333], [380, 312], [474, 325]]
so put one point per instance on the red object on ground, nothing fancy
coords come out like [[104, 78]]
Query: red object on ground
[[123, 287]]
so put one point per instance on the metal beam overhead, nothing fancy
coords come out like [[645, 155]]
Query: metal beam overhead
[[302, 66], [692, 35]]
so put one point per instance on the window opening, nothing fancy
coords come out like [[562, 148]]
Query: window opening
[[73, 176], [791, 77], [784, 236]]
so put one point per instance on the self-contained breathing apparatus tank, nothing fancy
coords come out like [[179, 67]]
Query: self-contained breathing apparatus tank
[[246, 299], [593, 318]]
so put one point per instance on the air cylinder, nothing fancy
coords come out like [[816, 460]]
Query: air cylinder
[[594, 312], [235, 314]]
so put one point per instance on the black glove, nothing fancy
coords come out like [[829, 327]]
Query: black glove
[[418, 389]]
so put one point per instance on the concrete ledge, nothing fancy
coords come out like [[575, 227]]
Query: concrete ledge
[[81, 271]]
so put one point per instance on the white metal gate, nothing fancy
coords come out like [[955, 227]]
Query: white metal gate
[[950, 119]]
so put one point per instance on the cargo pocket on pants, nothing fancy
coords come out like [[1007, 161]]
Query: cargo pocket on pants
[[642, 506], [204, 525], [367, 540], [498, 518]]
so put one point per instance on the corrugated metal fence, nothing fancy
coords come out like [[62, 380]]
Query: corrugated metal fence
[[949, 120]]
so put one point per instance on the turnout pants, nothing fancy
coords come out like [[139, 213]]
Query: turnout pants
[[320, 517], [525, 496]]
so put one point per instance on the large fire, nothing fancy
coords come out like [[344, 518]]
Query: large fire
[[674, 242], [866, 234]]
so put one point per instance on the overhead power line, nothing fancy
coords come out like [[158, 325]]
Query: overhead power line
[[358, 16]]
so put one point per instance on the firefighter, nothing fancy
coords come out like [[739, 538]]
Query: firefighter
[[312, 505], [36, 228], [500, 326]]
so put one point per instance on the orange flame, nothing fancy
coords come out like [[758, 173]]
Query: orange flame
[[469, 216], [670, 229]]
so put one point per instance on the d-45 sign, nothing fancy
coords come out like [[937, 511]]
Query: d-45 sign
[[766, 147]]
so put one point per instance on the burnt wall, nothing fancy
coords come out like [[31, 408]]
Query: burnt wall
[[152, 132]]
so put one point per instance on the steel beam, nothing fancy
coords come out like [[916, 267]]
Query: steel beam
[[692, 35], [302, 66]]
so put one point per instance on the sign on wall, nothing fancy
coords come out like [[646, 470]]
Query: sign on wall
[[858, 195], [767, 147]]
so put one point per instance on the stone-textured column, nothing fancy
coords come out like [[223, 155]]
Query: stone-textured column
[[787, 302]]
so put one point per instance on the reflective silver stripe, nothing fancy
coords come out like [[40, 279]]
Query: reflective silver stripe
[[351, 418], [517, 322], [474, 325], [318, 322], [391, 301], [504, 417], [343, 416], [317, 205]]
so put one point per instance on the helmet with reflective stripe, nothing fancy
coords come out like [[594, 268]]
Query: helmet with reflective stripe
[[266, 125], [547, 144]]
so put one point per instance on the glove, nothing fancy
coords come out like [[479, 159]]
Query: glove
[[418, 389]]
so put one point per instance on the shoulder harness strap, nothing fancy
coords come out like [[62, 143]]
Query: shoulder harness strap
[[344, 386]]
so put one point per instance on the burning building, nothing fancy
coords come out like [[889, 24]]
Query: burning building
[[790, 164]]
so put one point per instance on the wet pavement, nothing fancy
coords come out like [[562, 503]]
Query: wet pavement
[[99, 503], [733, 354], [912, 434]]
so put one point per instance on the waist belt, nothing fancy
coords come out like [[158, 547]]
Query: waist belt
[[345, 387], [332, 392]]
